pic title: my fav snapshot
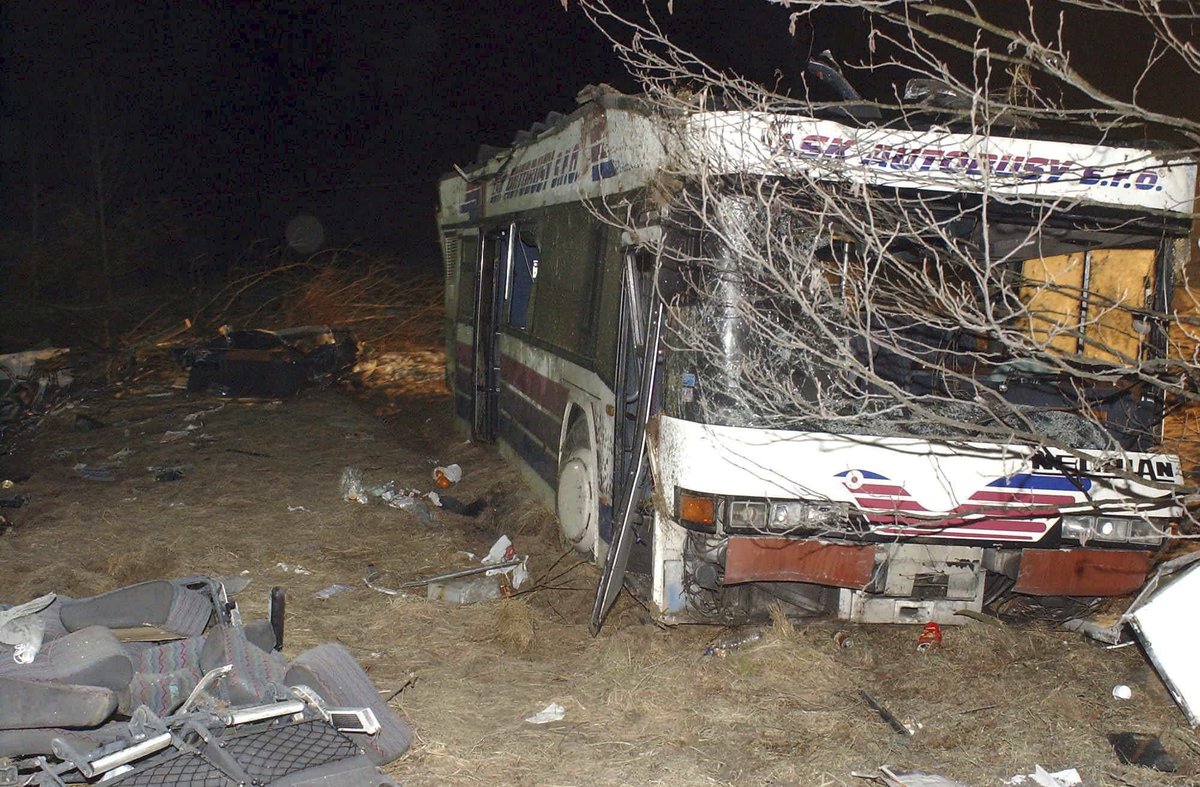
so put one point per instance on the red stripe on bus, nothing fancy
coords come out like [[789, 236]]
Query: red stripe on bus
[[1024, 498], [546, 392]]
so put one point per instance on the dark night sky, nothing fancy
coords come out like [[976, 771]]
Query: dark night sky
[[230, 118], [239, 116]]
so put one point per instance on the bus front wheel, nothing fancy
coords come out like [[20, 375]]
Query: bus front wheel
[[578, 491]]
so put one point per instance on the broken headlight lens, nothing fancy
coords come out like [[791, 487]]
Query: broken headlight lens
[[749, 514], [1113, 529], [784, 516]]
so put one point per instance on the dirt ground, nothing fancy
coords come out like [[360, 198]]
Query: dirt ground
[[260, 496]]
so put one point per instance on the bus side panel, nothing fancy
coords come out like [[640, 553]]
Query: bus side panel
[[537, 389]]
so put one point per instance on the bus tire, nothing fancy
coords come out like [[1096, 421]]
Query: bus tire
[[578, 498]]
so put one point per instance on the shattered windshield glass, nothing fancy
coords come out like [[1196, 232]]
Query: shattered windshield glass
[[922, 317]]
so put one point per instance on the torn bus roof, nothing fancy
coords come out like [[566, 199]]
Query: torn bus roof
[[613, 144], [937, 160]]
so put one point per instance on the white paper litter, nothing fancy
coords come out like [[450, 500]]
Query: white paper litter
[[552, 712], [496, 553], [290, 569], [504, 550], [1042, 778]]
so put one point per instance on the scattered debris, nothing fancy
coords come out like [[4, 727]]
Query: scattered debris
[[293, 569], [500, 556], [456, 506], [892, 720], [23, 627], [448, 476], [295, 509], [352, 486], [550, 713], [842, 639], [202, 413], [371, 579], [241, 706], [169, 472], [1122, 692], [405, 502], [1163, 624], [489, 569], [271, 364], [32, 381], [468, 590], [1143, 749], [174, 435], [332, 590], [894, 777], [930, 637], [1042, 778], [95, 473], [733, 641], [14, 501]]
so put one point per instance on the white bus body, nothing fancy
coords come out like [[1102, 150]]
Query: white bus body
[[871, 528]]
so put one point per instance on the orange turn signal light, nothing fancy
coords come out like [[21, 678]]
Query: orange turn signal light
[[696, 509]]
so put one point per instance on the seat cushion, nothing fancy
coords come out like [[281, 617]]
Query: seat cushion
[[253, 667], [163, 604], [88, 657], [333, 673], [28, 704]]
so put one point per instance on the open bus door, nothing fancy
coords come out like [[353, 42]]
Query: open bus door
[[635, 382], [485, 350]]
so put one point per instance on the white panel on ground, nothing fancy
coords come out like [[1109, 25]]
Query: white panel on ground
[[1165, 626]]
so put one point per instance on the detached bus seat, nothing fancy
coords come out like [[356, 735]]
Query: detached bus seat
[[73, 682], [28, 704], [89, 657], [163, 675], [163, 604], [254, 668], [337, 677]]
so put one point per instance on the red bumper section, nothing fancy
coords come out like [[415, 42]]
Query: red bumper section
[[774, 559], [1043, 572], [1082, 572]]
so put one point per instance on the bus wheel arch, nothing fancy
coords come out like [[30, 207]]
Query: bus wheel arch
[[578, 493]]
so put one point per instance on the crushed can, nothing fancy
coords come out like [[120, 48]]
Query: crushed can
[[931, 637]]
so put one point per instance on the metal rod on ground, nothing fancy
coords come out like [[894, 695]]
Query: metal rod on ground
[[466, 572]]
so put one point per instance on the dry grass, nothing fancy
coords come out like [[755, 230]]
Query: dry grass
[[643, 705]]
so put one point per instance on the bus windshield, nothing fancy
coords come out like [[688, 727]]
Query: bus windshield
[[937, 318]]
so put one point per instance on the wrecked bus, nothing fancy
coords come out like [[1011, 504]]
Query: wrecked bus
[[605, 299]]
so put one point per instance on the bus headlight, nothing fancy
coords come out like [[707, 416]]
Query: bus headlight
[[749, 514], [1113, 529], [784, 516]]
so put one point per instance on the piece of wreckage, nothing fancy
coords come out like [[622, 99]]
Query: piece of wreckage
[[33, 381], [266, 363], [1162, 618], [161, 683], [676, 469]]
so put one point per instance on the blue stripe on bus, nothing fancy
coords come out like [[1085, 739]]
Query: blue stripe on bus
[[1055, 482], [531, 451], [546, 427]]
